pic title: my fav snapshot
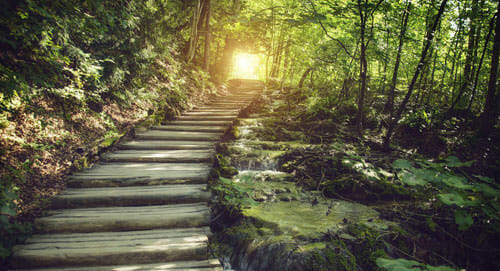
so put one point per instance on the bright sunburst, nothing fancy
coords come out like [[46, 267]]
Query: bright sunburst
[[244, 66]]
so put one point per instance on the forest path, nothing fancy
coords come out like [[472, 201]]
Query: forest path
[[145, 205]]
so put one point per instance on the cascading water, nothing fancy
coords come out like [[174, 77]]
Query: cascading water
[[295, 211]]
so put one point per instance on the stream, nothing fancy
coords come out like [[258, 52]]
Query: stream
[[298, 213]]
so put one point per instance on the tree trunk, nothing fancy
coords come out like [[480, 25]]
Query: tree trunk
[[193, 40], [469, 60], [429, 37], [362, 71], [476, 80], [303, 78], [389, 106], [489, 116], [206, 51]]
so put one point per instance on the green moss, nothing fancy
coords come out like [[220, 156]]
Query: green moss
[[224, 167], [370, 249], [110, 138], [334, 257], [312, 246], [311, 221]]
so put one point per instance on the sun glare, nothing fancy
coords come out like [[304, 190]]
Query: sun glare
[[245, 66]]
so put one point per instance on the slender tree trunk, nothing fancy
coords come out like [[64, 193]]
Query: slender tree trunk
[[362, 71], [303, 78], [490, 114], [469, 60], [386, 59], [429, 37], [285, 62], [193, 40], [206, 55], [476, 80], [458, 38], [431, 84], [389, 105]]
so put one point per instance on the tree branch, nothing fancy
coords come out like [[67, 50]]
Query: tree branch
[[326, 31]]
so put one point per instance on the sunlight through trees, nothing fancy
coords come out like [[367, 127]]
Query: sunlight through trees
[[245, 66]]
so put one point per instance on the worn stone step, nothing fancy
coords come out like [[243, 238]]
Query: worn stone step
[[178, 135], [227, 104], [215, 110], [166, 144], [123, 218], [200, 123], [232, 113], [227, 101], [189, 128], [130, 196], [111, 248], [208, 265], [160, 156], [239, 100], [130, 174], [207, 117], [220, 107]]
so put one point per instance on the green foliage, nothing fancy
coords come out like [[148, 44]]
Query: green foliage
[[470, 197], [417, 119], [232, 196], [11, 230], [81, 51], [357, 163], [408, 265]]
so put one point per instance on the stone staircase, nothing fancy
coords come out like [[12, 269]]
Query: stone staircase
[[145, 205]]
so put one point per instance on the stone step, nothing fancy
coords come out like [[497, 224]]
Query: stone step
[[219, 113], [219, 107], [130, 196], [123, 218], [206, 117], [178, 135], [227, 101], [200, 123], [131, 174], [166, 145], [112, 248], [160, 156], [232, 99], [227, 105], [189, 128], [208, 265], [214, 110]]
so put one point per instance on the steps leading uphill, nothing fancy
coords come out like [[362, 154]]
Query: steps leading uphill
[[143, 206]]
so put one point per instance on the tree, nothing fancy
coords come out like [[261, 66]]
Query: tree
[[429, 37], [492, 104]]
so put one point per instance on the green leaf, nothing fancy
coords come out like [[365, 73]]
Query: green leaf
[[398, 264], [408, 265], [453, 161], [487, 190], [426, 174], [7, 210], [456, 182], [439, 268], [411, 179], [402, 164], [225, 180], [452, 198], [463, 219]]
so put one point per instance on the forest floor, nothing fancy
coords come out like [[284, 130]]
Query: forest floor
[[301, 191]]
